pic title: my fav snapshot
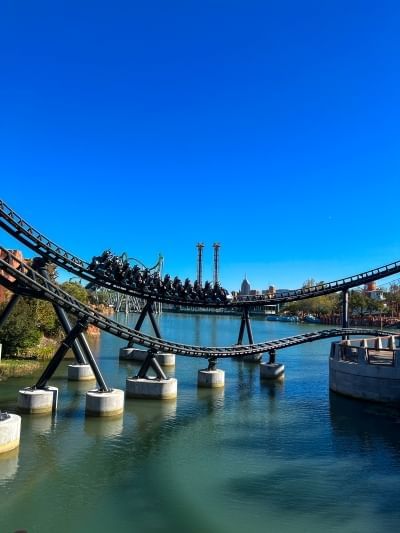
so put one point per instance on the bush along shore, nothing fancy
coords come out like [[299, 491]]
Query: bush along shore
[[32, 333]]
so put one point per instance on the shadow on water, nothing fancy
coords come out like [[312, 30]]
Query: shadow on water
[[361, 463], [364, 426]]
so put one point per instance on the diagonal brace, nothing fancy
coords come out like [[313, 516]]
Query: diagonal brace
[[152, 362]]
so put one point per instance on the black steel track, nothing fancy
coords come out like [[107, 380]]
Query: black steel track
[[26, 234], [28, 281]]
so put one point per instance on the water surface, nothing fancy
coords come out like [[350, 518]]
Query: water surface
[[281, 457]]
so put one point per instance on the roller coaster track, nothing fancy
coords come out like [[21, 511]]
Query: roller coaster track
[[26, 234], [27, 281]]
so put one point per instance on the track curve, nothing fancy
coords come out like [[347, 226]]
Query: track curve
[[28, 282], [26, 234]]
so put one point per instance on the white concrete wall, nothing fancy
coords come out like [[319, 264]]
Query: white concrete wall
[[359, 379]]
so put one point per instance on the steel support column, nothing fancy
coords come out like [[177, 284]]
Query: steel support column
[[272, 356], [152, 362], [8, 309], [245, 323], [345, 311], [66, 325], [248, 327], [139, 322], [153, 321], [242, 328], [58, 356], [147, 310]]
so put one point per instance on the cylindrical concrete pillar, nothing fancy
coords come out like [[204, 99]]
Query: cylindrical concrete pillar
[[132, 354], [392, 342], [272, 370], [378, 343], [100, 403], [10, 430], [211, 379], [364, 343], [156, 389], [80, 373], [38, 401], [166, 359], [253, 358]]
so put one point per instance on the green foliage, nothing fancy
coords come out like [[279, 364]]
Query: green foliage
[[392, 297], [320, 305], [20, 331], [31, 319], [46, 319], [361, 304], [76, 290]]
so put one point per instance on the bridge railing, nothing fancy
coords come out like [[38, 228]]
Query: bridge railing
[[376, 351]]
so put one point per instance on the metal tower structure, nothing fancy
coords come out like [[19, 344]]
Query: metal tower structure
[[216, 247], [200, 247]]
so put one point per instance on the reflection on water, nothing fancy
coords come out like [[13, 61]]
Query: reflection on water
[[39, 424], [282, 456], [213, 398], [364, 426], [104, 427], [9, 464], [150, 412]]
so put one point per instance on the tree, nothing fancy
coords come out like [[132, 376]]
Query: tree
[[20, 332], [320, 305], [392, 298], [76, 290], [361, 304]]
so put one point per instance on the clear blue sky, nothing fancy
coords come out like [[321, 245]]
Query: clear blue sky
[[271, 127]]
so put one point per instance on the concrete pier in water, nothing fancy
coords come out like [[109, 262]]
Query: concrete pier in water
[[100, 403], [10, 430], [166, 359], [254, 358], [152, 388], [132, 354], [80, 373], [211, 378], [272, 371], [38, 401]]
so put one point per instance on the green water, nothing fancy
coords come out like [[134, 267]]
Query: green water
[[284, 457]]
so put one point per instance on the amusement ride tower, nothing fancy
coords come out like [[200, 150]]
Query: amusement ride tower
[[216, 247], [200, 247]]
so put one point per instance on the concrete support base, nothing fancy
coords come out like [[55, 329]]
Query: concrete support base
[[38, 401], [132, 354], [166, 359], [156, 389], [254, 358], [211, 379], [10, 430], [378, 343], [80, 373], [272, 371], [392, 342], [104, 403]]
